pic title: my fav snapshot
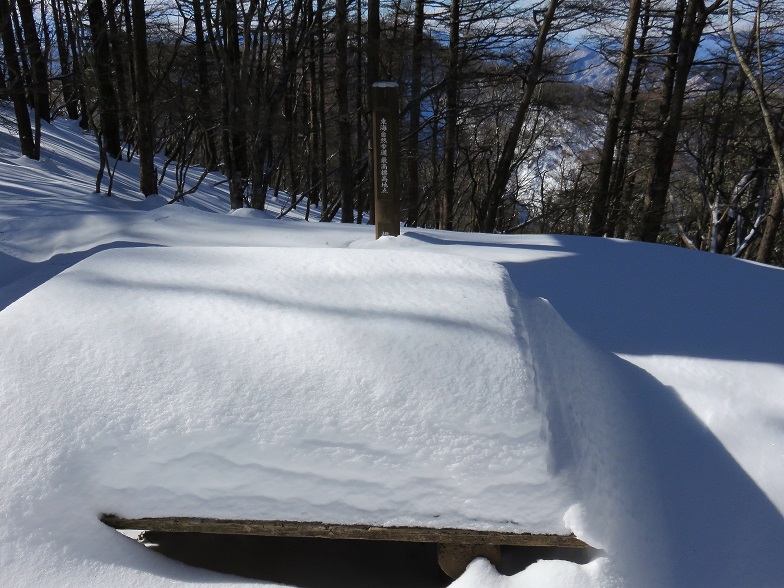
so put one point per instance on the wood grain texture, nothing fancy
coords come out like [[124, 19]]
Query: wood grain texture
[[332, 531]]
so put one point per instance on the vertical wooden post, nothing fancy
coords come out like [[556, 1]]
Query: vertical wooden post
[[386, 157]]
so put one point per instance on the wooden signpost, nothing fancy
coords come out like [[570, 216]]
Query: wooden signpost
[[386, 157]]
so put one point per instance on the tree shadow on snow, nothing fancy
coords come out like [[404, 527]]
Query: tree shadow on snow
[[670, 504], [20, 277], [645, 299]]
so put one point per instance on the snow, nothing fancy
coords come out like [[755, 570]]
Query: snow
[[589, 68], [377, 423], [162, 360]]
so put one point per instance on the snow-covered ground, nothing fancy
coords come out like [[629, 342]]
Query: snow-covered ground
[[181, 360]]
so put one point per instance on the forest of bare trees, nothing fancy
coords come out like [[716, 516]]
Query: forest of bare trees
[[652, 120]]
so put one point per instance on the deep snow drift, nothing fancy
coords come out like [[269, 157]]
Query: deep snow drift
[[229, 364], [409, 401]]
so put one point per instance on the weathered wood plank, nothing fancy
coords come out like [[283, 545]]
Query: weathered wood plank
[[330, 531]]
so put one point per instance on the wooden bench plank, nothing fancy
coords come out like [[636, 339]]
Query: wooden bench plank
[[336, 531]]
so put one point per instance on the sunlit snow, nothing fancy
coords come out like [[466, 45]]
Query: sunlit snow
[[162, 360]]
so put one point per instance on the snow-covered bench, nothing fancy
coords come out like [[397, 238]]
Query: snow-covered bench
[[456, 547]]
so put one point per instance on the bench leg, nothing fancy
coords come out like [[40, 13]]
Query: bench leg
[[453, 558]]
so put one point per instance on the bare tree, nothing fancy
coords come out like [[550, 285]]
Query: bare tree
[[504, 165], [102, 65], [16, 88], [773, 126], [145, 134], [689, 21], [344, 120], [415, 113], [38, 65], [450, 125], [601, 191]]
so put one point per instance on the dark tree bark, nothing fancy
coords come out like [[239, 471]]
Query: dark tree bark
[[125, 39], [772, 225], [24, 73], [322, 113], [119, 51], [373, 43], [313, 124], [692, 23], [38, 65], [446, 221], [70, 94], [773, 128], [78, 70], [503, 167], [415, 113], [145, 141], [204, 103], [344, 120], [16, 89], [373, 76], [102, 64], [273, 99], [620, 213], [601, 192], [234, 134]]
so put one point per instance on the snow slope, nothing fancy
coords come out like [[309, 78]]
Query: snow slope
[[157, 358]]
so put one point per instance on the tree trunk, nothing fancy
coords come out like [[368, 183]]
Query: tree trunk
[[415, 113], [689, 36], [70, 95], [204, 104], [119, 51], [372, 76], [344, 120], [362, 139], [601, 192], [78, 69], [504, 166], [24, 73], [772, 225], [313, 124], [234, 113], [775, 136], [15, 84], [148, 179], [38, 65], [322, 113], [450, 123], [102, 63], [619, 205], [277, 95]]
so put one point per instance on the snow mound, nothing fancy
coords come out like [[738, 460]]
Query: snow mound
[[344, 386], [657, 490]]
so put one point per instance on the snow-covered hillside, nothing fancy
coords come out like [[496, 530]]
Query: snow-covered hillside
[[183, 360]]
